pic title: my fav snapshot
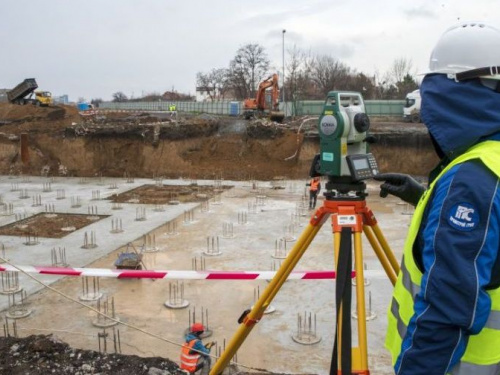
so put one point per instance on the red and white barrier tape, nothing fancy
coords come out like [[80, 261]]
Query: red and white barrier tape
[[178, 275]]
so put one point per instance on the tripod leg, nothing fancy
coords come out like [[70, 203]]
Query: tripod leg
[[342, 348], [360, 353], [294, 260], [382, 248], [387, 250], [266, 298], [381, 254], [360, 305]]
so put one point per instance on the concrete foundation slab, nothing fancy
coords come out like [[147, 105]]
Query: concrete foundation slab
[[251, 246]]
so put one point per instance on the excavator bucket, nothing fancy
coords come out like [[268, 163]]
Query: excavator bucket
[[277, 116]]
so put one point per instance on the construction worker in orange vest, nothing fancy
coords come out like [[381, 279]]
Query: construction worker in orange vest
[[314, 189], [195, 355]]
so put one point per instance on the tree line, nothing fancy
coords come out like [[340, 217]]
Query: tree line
[[173, 96], [307, 76]]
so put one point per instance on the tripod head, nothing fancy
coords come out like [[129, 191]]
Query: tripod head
[[345, 188]]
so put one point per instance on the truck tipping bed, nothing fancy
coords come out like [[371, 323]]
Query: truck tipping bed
[[22, 90]]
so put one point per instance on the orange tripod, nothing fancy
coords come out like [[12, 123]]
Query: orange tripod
[[350, 217]]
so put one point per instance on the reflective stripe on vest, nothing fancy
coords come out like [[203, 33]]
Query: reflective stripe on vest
[[482, 355], [465, 368], [314, 185], [493, 321], [189, 361]]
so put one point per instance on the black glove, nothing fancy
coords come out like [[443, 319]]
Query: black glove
[[402, 186]]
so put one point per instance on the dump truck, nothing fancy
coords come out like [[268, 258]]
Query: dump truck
[[23, 94]]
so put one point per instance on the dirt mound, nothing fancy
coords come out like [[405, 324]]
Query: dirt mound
[[16, 119], [41, 355], [47, 355], [14, 112]]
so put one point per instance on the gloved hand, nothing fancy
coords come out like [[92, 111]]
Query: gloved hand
[[401, 185], [210, 344]]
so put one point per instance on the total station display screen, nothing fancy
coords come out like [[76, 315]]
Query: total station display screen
[[360, 164]]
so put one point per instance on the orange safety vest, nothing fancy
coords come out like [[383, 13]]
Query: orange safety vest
[[189, 361], [314, 185]]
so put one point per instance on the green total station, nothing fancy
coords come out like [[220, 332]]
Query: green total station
[[343, 130]]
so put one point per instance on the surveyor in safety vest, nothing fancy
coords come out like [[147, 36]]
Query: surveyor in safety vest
[[194, 355], [444, 317], [314, 189]]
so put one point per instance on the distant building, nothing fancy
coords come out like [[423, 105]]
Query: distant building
[[210, 94], [63, 99], [3, 95]]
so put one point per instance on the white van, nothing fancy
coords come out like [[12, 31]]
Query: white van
[[411, 110]]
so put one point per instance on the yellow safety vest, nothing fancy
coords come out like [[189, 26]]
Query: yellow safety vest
[[483, 350]]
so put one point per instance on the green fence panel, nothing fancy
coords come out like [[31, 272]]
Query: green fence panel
[[373, 107], [223, 107]]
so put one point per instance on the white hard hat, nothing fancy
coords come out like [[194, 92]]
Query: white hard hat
[[467, 50]]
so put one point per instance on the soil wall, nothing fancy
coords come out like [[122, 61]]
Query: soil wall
[[229, 156], [62, 141]]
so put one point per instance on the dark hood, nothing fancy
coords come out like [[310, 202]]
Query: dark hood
[[458, 114]]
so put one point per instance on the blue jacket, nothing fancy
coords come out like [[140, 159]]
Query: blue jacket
[[198, 345], [458, 264]]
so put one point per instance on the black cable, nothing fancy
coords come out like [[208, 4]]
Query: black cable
[[343, 298]]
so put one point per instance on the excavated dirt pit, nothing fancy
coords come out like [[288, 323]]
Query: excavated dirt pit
[[49, 225], [168, 194], [61, 142]]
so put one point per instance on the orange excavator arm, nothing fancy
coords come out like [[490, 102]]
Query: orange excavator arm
[[258, 106], [260, 100]]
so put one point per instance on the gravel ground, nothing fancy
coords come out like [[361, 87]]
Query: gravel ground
[[42, 355]]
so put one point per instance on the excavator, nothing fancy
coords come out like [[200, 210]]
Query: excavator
[[266, 104]]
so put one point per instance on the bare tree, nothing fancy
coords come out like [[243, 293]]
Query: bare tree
[[399, 69], [215, 83], [298, 78], [400, 79], [329, 74], [119, 96], [363, 84], [247, 69], [408, 84], [205, 84]]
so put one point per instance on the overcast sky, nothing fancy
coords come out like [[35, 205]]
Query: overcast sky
[[94, 48]]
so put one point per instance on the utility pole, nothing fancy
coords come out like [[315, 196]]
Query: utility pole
[[284, 101]]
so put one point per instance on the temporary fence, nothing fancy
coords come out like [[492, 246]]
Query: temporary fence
[[235, 108], [372, 107], [223, 107]]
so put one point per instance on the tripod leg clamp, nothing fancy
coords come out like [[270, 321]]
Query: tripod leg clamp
[[247, 321]]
